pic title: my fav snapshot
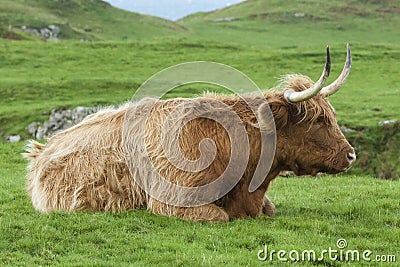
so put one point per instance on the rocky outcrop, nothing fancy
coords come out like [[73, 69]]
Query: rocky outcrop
[[49, 33], [59, 120]]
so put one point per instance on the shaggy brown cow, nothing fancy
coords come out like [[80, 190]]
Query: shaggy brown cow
[[85, 167]]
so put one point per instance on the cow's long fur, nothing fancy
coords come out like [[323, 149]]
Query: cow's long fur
[[85, 167]]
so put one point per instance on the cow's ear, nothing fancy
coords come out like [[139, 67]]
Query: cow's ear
[[279, 110]]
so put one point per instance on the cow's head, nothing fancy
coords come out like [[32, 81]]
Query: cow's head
[[309, 138]]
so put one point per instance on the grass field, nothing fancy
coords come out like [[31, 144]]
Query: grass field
[[312, 214]]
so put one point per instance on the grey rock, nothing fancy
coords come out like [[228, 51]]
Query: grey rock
[[59, 120], [346, 129], [55, 30], [45, 33], [386, 122], [299, 15], [13, 138], [33, 128], [226, 19]]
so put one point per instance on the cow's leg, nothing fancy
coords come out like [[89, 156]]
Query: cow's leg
[[208, 212], [268, 207]]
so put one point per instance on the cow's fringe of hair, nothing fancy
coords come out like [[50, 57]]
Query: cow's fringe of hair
[[311, 109]]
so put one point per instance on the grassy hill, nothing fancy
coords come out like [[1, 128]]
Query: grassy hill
[[84, 19], [297, 23], [270, 23]]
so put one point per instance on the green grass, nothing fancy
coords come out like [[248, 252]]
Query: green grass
[[363, 210]]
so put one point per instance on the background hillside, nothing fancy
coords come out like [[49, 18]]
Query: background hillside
[[296, 23], [270, 23], [83, 19]]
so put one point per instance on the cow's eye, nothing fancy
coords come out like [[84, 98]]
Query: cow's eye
[[321, 120]]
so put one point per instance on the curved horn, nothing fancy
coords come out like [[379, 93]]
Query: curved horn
[[293, 96], [335, 86]]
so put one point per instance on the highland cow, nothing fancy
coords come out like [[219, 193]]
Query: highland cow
[[86, 168]]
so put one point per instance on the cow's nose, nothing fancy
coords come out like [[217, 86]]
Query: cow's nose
[[351, 157]]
